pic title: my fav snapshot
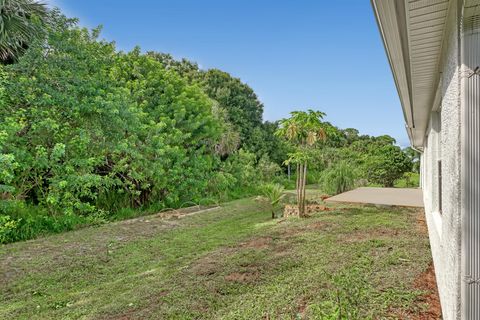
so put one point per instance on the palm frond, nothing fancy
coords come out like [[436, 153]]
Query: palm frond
[[21, 21]]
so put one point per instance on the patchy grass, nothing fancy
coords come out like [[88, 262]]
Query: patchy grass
[[229, 263]]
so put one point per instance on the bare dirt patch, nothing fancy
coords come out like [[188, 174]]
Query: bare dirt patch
[[258, 243], [302, 307], [318, 225], [248, 276], [290, 231], [426, 281], [211, 264], [421, 222], [427, 306]]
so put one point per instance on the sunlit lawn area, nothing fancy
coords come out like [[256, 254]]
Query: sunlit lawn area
[[229, 263]]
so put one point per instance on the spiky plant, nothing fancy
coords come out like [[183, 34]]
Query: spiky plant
[[21, 22], [272, 194]]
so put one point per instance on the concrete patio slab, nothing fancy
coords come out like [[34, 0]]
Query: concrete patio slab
[[403, 197]]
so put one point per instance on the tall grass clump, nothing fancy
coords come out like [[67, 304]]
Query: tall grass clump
[[338, 178]]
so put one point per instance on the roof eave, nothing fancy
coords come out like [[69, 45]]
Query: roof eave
[[391, 30]]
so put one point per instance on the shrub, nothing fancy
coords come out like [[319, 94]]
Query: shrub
[[338, 178], [221, 185], [240, 172], [8, 228], [19, 221], [409, 180], [267, 169]]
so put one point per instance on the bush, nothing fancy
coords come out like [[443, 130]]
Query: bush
[[409, 180], [338, 178], [241, 175], [221, 185], [267, 169], [36, 225], [19, 221]]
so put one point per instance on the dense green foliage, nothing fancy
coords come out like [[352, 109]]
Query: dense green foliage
[[90, 128], [386, 164], [239, 105], [244, 108], [86, 131], [365, 159]]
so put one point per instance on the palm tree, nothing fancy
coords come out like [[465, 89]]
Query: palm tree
[[304, 130], [21, 21]]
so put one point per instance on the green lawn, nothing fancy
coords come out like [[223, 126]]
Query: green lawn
[[228, 263]]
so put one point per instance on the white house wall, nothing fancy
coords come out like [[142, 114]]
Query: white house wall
[[444, 145]]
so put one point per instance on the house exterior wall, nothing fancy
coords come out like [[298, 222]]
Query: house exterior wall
[[443, 143]]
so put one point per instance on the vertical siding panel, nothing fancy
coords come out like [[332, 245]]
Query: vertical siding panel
[[472, 168], [476, 105]]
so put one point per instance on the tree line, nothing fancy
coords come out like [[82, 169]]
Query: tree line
[[89, 133]]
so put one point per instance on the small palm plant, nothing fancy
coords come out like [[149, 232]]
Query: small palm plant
[[272, 195]]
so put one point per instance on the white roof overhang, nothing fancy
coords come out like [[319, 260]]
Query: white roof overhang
[[413, 32]]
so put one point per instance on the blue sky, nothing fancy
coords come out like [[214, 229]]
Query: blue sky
[[325, 55]]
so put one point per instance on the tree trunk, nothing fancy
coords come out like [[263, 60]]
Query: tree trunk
[[289, 171], [304, 180], [299, 189], [298, 185]]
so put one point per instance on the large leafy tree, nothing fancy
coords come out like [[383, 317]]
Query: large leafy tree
[[264, 142], [21, 22], [414, 157], [180, 131], [185, 68], [93, 129], [386, 163], [238, 99], [239, 107], [304, 130]]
